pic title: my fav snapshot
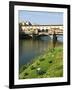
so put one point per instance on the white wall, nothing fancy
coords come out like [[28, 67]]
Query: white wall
[[4, 44]]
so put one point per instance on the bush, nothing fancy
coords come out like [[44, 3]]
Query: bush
[[42, 59], [38, 63], [26, 74], [24, 77], [23, 68], [32, 67], [41, 72], [50, 61]]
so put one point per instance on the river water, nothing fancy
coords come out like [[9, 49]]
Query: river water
[[31, 48]]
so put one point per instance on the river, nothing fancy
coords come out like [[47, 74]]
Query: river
[[31, 48]]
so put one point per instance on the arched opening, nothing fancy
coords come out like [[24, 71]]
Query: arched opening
[[42, 30], [46, 30]]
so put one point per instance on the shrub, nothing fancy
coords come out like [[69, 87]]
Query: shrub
[[25, 73], [23, 68], [32, 67], [50, 61], [41, 72], [42, 59], [38, 63], [24, 77]]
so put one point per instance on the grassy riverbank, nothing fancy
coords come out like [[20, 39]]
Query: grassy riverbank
[[50, 64]]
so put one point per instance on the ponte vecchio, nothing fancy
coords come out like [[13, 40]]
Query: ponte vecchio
[[41, 29]]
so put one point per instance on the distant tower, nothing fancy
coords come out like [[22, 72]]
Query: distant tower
[[28, 23]]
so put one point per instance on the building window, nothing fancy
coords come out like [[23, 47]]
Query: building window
[[42, 30], [46, 30]]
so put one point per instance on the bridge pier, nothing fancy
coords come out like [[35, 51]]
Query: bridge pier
[[52, 37], [34, 36]]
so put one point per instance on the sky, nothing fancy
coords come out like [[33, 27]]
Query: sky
[[41, 17]]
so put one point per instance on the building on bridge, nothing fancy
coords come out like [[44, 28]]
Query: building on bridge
[[42, 29]]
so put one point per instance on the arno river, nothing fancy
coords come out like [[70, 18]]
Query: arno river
[[30, 48]]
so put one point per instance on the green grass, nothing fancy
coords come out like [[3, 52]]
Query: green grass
[[50, 64]]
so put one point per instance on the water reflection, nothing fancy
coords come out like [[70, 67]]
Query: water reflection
[[29, 49], [54, 40]]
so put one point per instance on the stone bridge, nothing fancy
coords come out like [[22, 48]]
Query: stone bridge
[[42, 29]]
